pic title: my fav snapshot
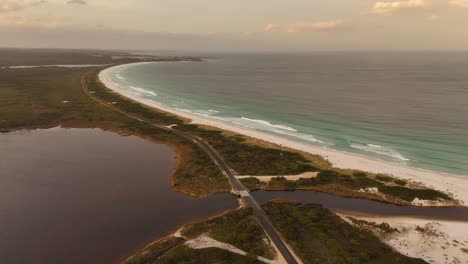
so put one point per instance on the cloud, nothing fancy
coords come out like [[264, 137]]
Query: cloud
[[268, 28], [14, 5], [459, 3], [76, 2], [29, 22], [389, 8], [271, 28], [316, 26], [433, 17]]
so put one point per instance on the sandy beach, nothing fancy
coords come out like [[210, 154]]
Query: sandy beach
[[434, 241], [454, 184]]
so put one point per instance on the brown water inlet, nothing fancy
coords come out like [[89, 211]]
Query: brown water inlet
[[88, 196]]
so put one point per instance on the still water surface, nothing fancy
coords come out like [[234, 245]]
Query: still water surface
[[365, 207], [88, 196]]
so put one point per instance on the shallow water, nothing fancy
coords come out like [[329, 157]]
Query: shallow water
[[405, 107], [88, 196]]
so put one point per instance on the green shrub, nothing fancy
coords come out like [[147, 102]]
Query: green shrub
[[409, 195], [383, 178]]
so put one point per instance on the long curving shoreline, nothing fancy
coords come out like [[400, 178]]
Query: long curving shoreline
[[455, 184]]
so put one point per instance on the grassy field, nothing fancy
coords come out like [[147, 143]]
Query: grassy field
[[26, 57], [316, 235], [319, 236], [238, 228], [30, 57]]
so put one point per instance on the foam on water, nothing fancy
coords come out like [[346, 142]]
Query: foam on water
[[143, 90], [268, 127], [381, 150], [266, 123], [412, 121]]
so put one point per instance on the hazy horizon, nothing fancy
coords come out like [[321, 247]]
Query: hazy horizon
[[235, 26]]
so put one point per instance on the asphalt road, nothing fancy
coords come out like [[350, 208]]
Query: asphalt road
[[261, 216]]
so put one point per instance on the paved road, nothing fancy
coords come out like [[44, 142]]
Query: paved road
[[261, 216]]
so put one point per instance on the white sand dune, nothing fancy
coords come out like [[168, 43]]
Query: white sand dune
[[434, 241], [207, 242]]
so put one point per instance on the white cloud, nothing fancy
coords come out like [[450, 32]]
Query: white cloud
[[28, 22], [459, 3], [316, 26], [269, 28], [389, 8], [272, 28], [433, 17], [14, 5], [76, 2]]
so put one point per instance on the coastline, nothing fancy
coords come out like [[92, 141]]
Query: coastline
[[454, 184], [437, 241]]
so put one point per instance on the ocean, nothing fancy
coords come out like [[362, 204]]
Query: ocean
[[409, 108]]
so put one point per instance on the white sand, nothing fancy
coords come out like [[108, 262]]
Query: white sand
[[454, 184], [207, 242], [440, 242], [267, 178]]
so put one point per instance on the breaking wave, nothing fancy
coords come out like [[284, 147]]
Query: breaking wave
[[266, 123], [267, 126], [143, 91], [386, 151]]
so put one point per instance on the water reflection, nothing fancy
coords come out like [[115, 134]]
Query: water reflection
[[361, 206], [88, 196]]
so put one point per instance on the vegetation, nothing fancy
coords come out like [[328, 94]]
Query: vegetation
[[249, 159], [49, 97], [315, 234], [34, 57], [350, 185], [173, 250], [409, 195], [22, 57], [156, 250], [252, 183], [388, 179], [383, 227], [186, 255], [319, 236], [238, 228]]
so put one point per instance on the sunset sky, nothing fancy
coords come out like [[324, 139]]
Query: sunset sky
[[236, 25]]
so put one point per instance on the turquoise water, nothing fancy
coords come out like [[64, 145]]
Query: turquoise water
[[407, 108]]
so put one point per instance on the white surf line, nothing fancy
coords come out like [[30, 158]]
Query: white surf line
[[454, 184], [204, 241]]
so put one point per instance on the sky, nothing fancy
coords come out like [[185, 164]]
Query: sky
[[236, 25]]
